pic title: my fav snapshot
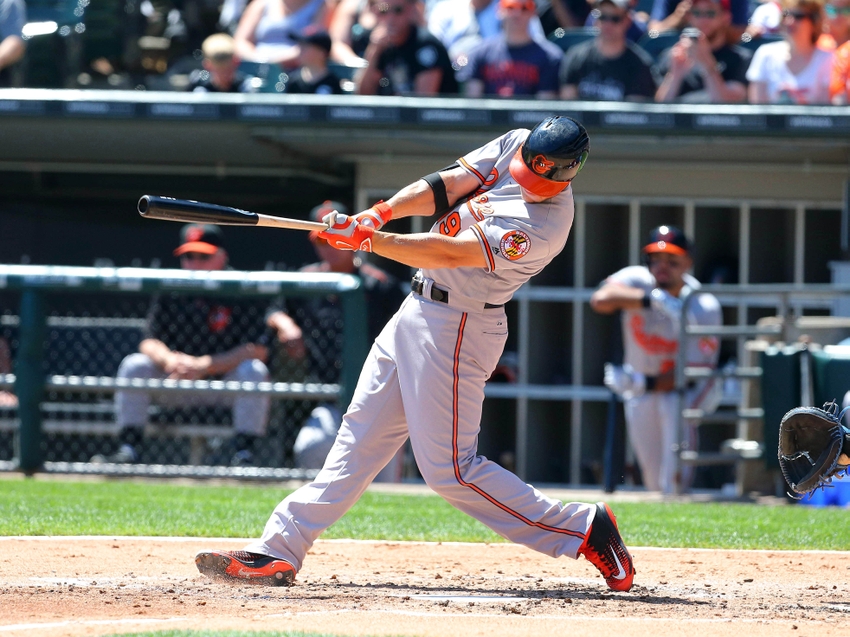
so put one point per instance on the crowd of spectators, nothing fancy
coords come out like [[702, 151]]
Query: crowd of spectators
[[716, 51]]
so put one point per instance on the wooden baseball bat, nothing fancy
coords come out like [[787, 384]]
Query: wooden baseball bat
[[189, 211]]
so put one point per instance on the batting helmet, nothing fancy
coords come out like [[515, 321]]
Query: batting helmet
[[667, 239], [546, 163]]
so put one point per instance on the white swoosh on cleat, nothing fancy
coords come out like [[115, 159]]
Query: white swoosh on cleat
[[622, 573]]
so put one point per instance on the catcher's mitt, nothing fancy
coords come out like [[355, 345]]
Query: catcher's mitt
[[813, 447]]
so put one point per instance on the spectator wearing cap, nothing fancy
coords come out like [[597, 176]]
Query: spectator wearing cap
[[313, 75], [608, 67], [13, 17], [203, 338], [220, 73], [404, 58], [512, 64], [701, 66], [320, 317], [266, 28], [649, 298], [793, 70], [672, 15], [836, 29]]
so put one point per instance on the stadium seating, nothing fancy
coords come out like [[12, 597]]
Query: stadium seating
[[654, 42], [565, 38]]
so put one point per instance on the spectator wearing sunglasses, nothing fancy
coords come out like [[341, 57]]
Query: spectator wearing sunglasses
[[320, 316], [672, 15], [701, 66], [608, 67], [839, 84], [404, 58], [193, 337], [793, 70], [836, 29], [637, 28], [512, 63]]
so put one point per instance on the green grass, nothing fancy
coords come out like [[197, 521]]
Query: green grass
[[34, 507]]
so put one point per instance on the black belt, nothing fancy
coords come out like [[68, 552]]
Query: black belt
[[417, 286]]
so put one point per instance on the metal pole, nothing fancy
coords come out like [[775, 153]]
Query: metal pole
[[355, 345], [29, 379]]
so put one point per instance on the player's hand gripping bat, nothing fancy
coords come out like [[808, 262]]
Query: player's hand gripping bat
[[188, 211]]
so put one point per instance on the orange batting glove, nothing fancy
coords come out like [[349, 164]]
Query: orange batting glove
[[376, 216], [344, 233]]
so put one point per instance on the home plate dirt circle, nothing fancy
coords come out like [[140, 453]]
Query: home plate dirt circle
[[75, 586]]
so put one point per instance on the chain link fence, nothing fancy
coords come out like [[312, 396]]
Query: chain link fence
[[89, 370]]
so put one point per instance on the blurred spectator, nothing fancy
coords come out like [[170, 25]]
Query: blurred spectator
[[512, 64], [267, 28], [7, 398], [322, 316], [701, 66], [608, 67], [196, 338], [403, 58], [13, 17], [839, 84], [312, 74], [794, 70], [836, 25], [461, 25], [671, 15], [637, 28], [220, 73], [562, 14], [766, 19], [350, 26]]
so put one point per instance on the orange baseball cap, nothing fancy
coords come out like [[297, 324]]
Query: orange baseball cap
[[201, 238]]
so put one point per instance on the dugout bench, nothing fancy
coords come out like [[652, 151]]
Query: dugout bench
[[97, 354]]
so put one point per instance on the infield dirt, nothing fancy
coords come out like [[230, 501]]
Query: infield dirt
[[57, 586]]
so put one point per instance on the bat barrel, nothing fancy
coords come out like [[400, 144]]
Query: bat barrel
[[189, 211]]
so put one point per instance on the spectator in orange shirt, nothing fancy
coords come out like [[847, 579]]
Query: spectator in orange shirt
[[839, 84]]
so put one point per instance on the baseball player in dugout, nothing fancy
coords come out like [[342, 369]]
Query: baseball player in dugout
[[502, 213], [650, 297]]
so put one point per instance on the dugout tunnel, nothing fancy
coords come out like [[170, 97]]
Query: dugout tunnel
[[760, 189]]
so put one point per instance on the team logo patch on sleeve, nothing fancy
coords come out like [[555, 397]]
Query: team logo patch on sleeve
[[515, 245]]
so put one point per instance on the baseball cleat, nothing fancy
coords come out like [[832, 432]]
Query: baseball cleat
[[247, 567], [604, 548]]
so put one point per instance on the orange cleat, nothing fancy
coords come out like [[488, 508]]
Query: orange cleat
[[241, 566], [604, 548]]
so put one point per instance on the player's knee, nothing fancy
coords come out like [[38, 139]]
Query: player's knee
[[137, 366], [252, 371]]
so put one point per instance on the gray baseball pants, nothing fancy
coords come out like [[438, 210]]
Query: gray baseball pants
[[250, 412], [424, 378]]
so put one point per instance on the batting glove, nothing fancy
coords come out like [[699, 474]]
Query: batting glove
[[344, 233], [376, 216], [624, 381]]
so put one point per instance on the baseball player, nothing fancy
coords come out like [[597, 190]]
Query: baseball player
[[503, 212], [651, 299]]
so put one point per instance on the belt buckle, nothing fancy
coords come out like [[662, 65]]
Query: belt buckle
[[417, 285]]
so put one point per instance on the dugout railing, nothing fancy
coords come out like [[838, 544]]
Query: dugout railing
[[72, 407], [789, 323]]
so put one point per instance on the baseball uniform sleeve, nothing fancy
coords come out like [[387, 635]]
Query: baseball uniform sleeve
[[507, 244], [634, 276], [481, 162]]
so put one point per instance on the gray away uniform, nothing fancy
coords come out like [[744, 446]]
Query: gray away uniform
[[425, 375]]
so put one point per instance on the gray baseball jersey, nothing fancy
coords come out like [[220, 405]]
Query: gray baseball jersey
[[518, 238], [425, 376], [650, 337]]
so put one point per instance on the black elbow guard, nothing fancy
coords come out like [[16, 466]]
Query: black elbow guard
[[438, 186]]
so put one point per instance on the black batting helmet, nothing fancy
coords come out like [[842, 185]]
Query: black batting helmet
[[668, 239], [546, 163]]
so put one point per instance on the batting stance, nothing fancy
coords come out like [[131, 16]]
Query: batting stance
[[504, 212], [651, 299]]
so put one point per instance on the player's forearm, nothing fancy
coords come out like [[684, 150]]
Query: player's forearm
[[226, 361], [417, 199], [11, 50], [156, 350], [428, 250], [609, 299]]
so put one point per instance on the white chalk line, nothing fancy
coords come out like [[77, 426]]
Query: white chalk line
[[155, 538], [87, 622]]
